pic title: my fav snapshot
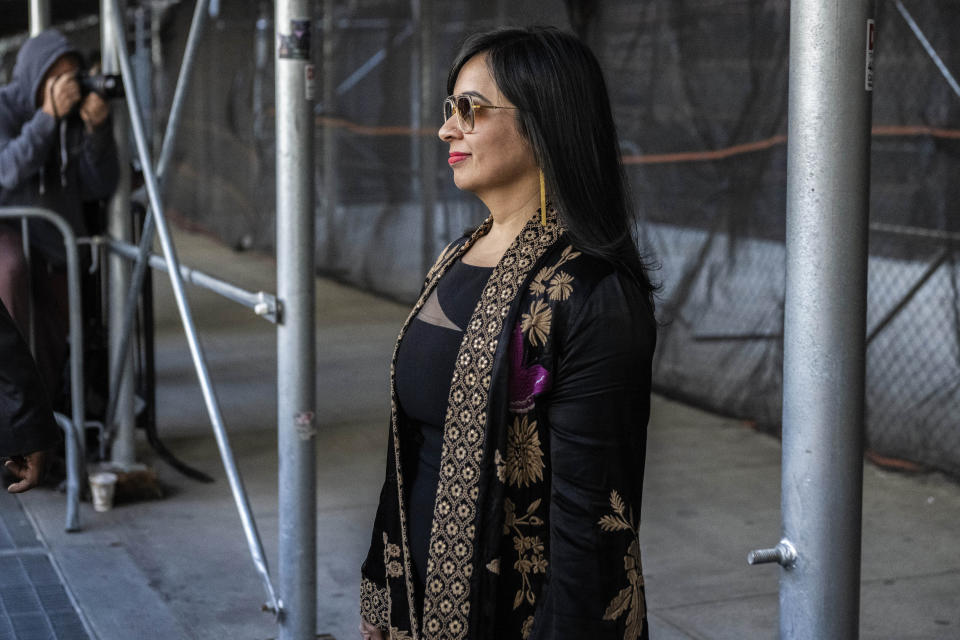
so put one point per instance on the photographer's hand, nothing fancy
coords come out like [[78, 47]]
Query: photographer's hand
[[94, 111], [60, 95]]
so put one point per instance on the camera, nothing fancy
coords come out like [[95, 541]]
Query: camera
[[106, 85]]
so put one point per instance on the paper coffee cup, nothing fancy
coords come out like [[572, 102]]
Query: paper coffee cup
[[102, 485]]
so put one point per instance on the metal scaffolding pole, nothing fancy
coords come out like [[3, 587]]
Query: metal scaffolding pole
[[296, 418], [39, 16], [427, 148], [828, 179], [206, 385], [126, 313], [119, 226], [330, 140]]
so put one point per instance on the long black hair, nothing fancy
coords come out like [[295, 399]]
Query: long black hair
[[564, 113]]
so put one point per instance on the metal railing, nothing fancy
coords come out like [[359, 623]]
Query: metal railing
[[73, 427]]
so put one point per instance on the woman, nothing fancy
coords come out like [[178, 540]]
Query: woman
[[521, 379]]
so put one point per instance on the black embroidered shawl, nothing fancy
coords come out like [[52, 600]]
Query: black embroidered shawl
[[535, 531]]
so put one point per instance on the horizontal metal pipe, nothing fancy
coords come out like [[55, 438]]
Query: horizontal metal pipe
[[915, 232], [264, 304]]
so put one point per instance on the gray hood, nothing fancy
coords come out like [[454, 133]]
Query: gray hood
[[36, 56]]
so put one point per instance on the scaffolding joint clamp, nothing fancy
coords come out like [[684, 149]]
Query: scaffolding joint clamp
[[266, 306], [784, 554]]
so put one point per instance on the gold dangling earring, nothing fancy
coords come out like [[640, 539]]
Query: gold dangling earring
[[543, 201]]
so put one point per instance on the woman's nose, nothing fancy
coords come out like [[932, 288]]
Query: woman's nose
[[449, 129]]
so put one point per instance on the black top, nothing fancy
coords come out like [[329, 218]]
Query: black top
[[424, 368]]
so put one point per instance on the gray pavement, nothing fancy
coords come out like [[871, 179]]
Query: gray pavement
[[179, 567]]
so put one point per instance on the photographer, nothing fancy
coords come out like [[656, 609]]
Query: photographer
[[56, 151]]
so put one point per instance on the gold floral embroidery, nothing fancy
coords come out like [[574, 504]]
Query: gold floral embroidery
[[524, 464], [537, 286], [526, 628], [399, 634], [494, 566], [536, 324], [501, 467], [530, 558], [390, 552], [630, 599], [560, 286], [374, 603], [450, 563]]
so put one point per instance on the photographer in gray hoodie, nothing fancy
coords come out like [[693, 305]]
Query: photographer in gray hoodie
[[56, 151]]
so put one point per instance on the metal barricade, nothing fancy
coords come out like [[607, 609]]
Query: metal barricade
[[73, 426]]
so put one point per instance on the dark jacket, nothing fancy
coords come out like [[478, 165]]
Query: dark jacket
[[535, 526], [48, 163], [26, 419]]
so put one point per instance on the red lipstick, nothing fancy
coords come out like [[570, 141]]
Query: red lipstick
[[457, 156]]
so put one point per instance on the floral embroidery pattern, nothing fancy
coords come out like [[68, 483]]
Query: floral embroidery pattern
[[630, 599], [374, 603], [500, 465], [446, 604], [390, 552], [560, 286], [536, 324], [526, 628], [530, 558], [524, 463], [433, 277], [559, 283], [399, 634]]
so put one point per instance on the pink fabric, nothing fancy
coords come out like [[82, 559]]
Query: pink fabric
[[525, 382]]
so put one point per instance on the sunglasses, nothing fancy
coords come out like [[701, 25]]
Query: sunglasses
[[465, 108]]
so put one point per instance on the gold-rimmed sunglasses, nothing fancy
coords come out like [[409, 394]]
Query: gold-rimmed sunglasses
[[465, 108]]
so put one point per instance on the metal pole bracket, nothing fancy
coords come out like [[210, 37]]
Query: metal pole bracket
[[267, 307], [784, 554]]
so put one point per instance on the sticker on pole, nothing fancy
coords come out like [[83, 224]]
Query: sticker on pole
[[296, 44], [309, 86], [306, 424], [868, 71]]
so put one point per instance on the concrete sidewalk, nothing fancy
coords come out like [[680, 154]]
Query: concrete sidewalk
[[179, 567]]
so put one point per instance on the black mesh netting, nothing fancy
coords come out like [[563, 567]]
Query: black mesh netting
[[700, 95]]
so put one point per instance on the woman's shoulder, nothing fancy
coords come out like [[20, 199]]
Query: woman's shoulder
[[575, 284]]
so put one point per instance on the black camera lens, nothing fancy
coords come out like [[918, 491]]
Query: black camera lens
[[105, 85]]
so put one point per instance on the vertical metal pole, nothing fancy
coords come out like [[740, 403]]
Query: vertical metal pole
[[39, 16], [828, 184], [296, 420], [119, 226], [427, 146], [39, 20], [329, 134], [420, 83]]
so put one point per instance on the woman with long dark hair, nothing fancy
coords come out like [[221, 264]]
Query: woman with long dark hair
[[521, 380]]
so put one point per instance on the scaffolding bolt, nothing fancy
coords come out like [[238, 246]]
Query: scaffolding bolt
[[784, 554]]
